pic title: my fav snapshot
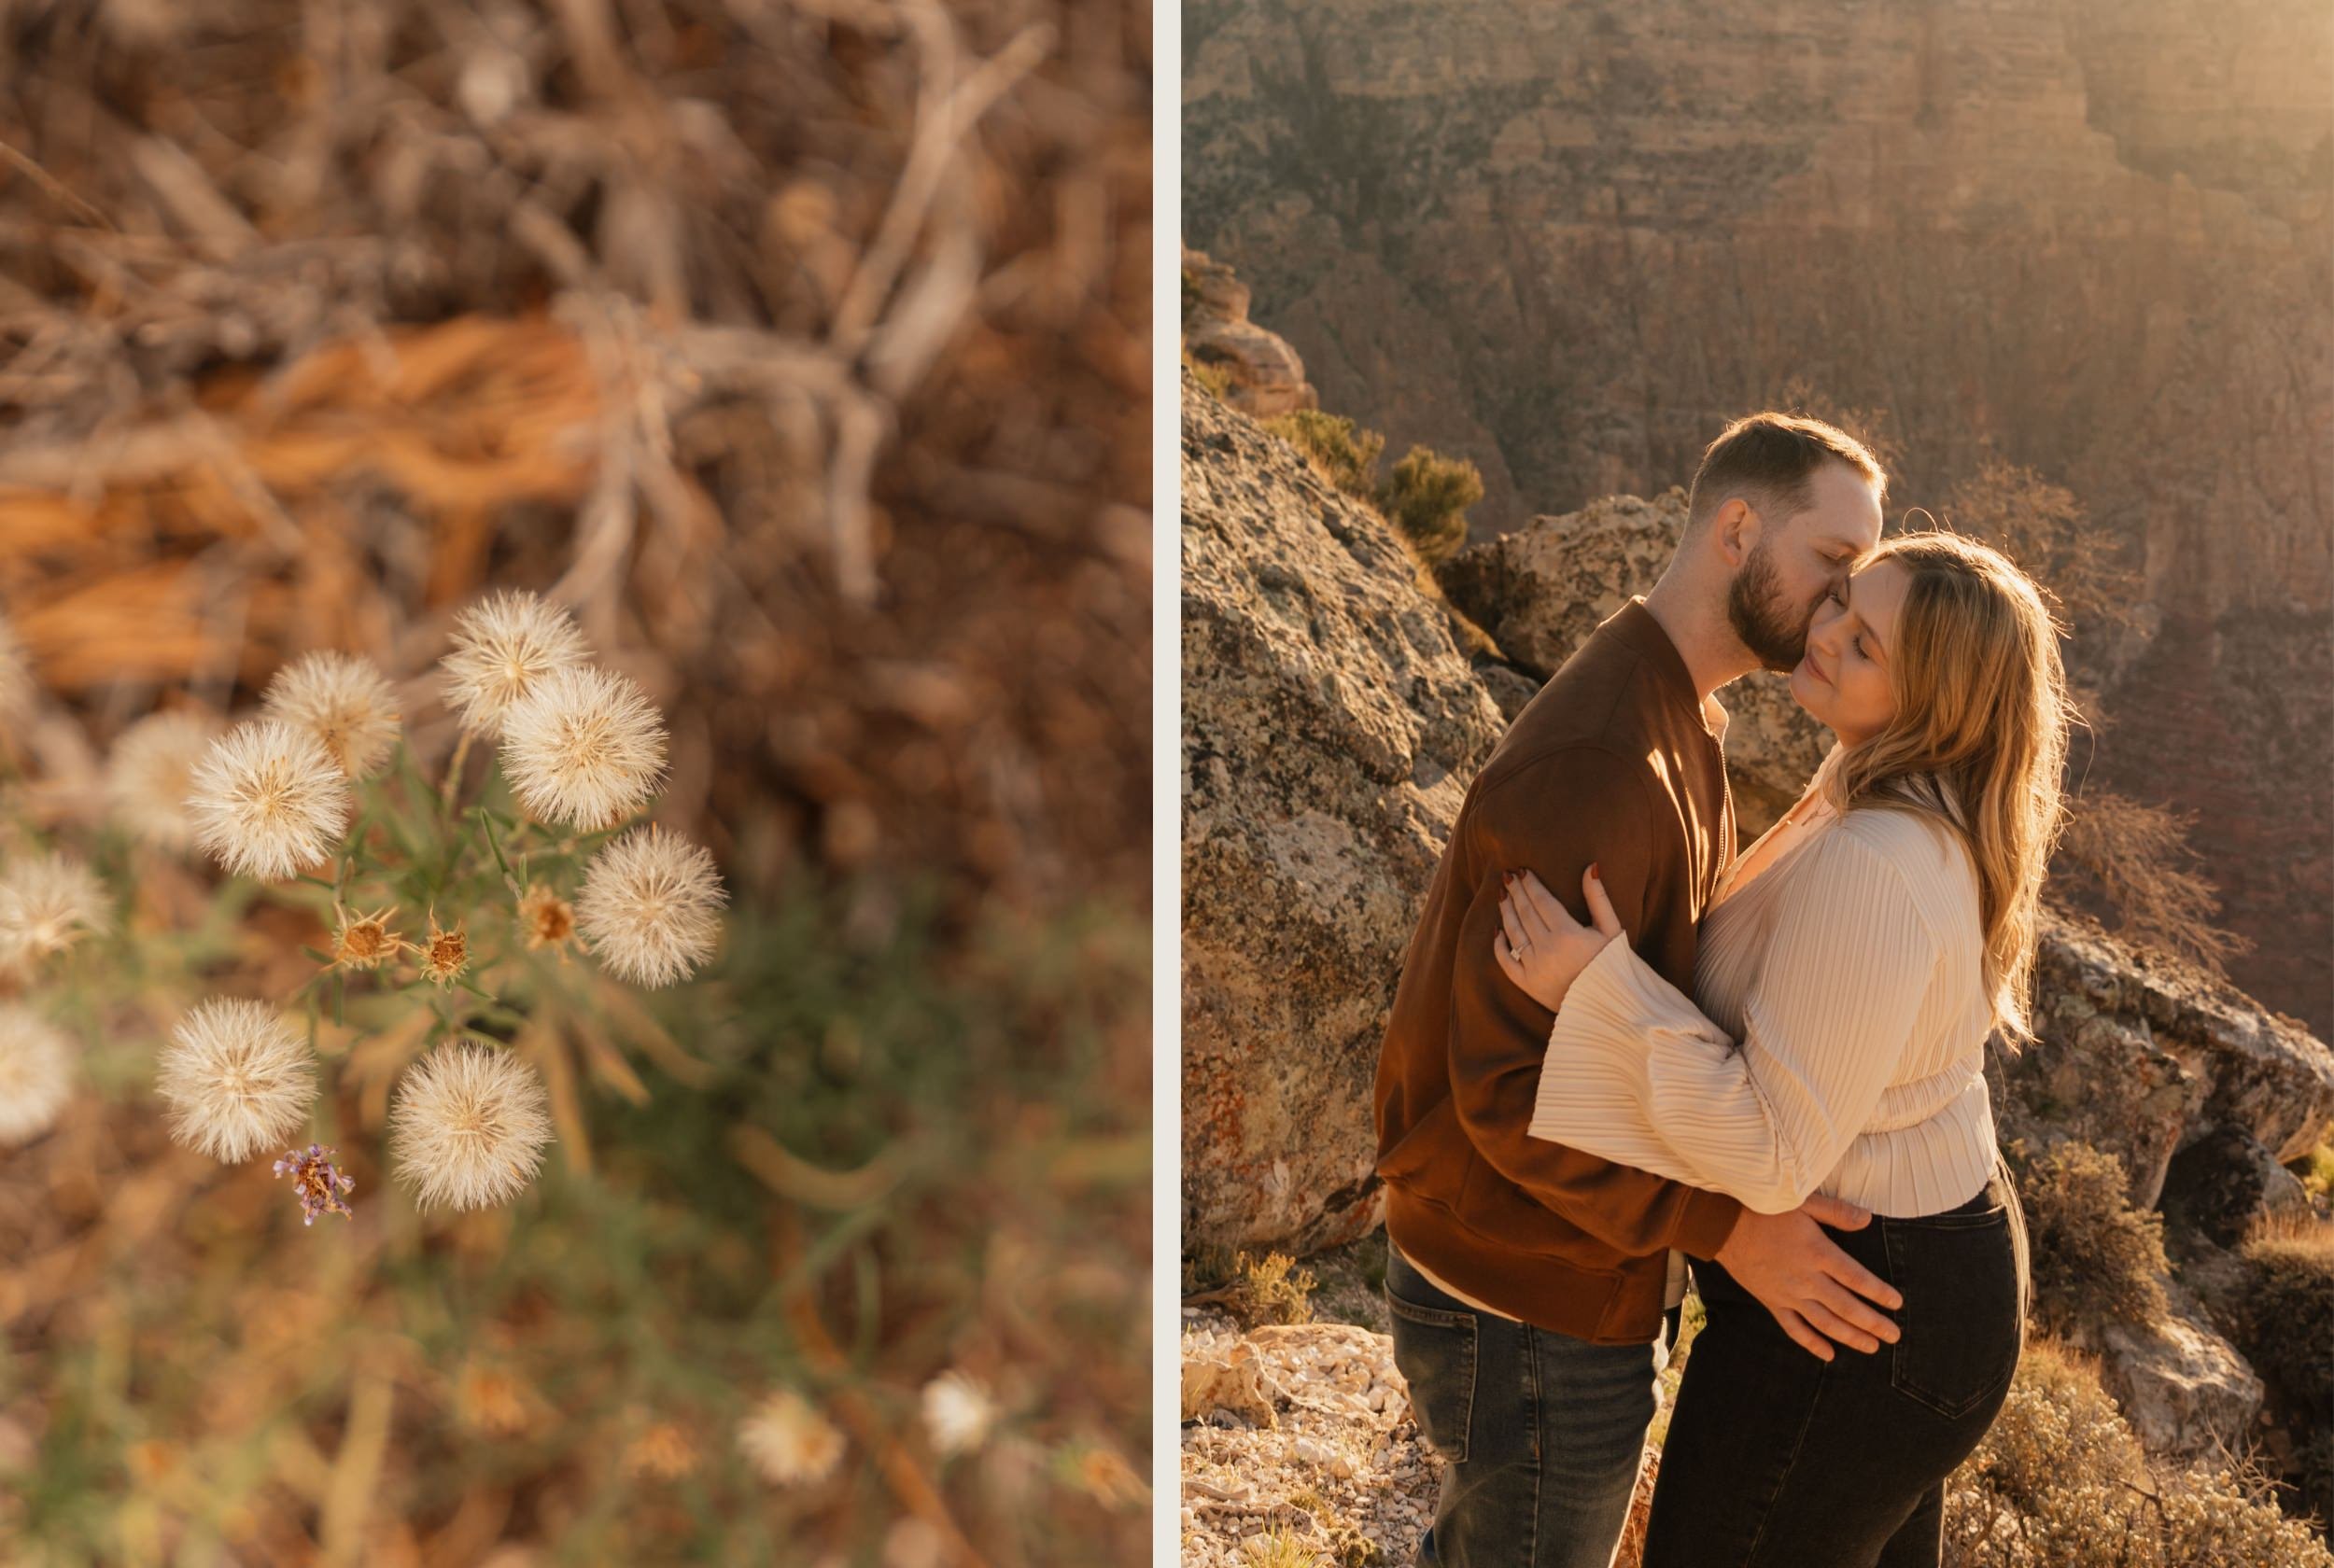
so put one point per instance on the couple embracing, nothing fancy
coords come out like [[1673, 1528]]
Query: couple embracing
[[1617, 1047]]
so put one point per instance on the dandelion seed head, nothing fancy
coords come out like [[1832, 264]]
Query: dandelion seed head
[[789, 1441], [467, 1125], [585, 747], [651, 906], [48, 903], [958, 1412], [150, 772], [236, 1076], [504, 646], [366, 941], [445, 955], [343, 703], [317, 1181], [545, 918], [36, 1073], [267, 800]]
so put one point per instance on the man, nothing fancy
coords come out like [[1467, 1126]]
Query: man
[[1528, 1282]]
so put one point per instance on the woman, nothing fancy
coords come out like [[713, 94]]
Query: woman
[[1848, 973]]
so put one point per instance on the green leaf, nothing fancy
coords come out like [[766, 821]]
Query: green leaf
[[485, 818]]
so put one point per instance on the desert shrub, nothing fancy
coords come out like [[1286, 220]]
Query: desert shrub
[[2047, 531], [1190, 295], [1213, 379], [1269, 1290], [2096, 1259], [2288, 1310], [1427, 499], [2060, 1481], [2133, 863], [2317, 1170], [1206, 1266], [2315, 1463], [1347, 458]]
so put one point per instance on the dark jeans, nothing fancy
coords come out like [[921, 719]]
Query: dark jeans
[[1541, 1434], [1777, 1459]]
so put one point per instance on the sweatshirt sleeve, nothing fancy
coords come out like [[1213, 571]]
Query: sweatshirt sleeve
[[1582, 806], [1634, 1070]]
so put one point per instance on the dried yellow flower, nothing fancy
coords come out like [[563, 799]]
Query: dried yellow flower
[[366, 941], [445, 955], [546, 920]]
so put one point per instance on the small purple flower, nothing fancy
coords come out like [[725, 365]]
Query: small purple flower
[[318, 1183]]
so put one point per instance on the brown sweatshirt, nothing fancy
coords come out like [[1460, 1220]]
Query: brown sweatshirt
[[1610, 763]]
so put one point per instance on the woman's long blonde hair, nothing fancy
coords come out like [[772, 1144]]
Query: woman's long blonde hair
[[1979, 739]]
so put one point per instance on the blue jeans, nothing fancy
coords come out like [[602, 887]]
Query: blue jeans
[[1541, 1432]]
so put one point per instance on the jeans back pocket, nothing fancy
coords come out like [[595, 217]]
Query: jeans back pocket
[[1434, 1350], [1960, 1331]]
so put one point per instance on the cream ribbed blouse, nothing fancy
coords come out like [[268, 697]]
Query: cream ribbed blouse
[[1850, 968]]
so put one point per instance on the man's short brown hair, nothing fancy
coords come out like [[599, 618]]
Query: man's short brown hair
[[1771, 458]]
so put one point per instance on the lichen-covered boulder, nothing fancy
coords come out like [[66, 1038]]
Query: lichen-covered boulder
[[1330, 729], [2184, 1390]]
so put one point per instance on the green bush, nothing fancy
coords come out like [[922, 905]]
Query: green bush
[[1427, 500], [1346, 456], [2096, 1259]]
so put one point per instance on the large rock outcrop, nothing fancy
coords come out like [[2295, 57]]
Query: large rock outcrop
[[1330, 729], [1262, 373], [1565, 241]]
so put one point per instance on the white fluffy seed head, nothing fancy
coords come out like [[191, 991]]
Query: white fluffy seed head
[[789, 1441], [238, 1078], [267, 800], [152, 769], [503, 648], [467, 1125], [958, 1412], [585, 747], [651, 906], [341, 701], [36, 1073], [48, 903]]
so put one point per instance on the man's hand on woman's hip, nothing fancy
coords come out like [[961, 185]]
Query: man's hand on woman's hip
[[1800, 1275]]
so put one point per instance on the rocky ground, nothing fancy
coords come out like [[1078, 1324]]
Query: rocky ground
[[1298, 1440], [1301, 1433]]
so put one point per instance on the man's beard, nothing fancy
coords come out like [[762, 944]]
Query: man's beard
[[1754, 608]]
